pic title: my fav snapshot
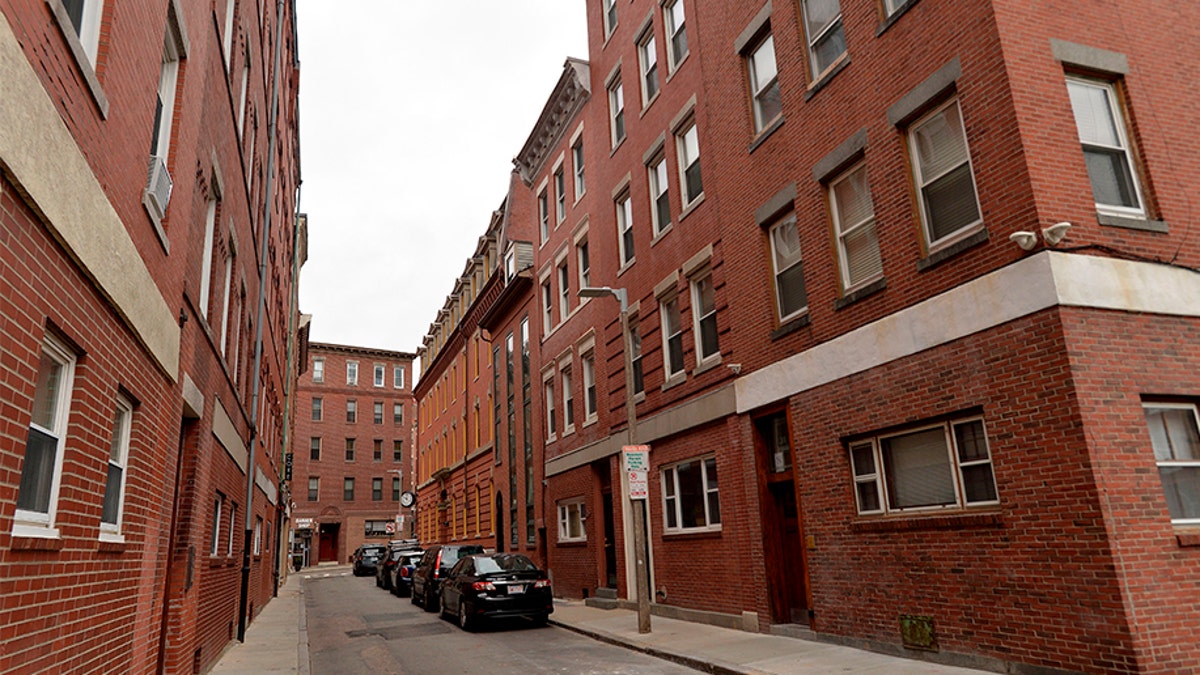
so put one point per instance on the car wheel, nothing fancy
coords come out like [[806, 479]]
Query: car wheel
[[540, 619], [378, 582], [413, 598], [464, 618]]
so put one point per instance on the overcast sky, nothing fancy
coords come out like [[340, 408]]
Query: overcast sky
[[410, 115]]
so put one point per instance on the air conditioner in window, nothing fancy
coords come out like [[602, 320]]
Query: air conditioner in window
[[158, 186]]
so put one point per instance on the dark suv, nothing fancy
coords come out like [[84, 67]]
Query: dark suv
[[434, 565], [366, 557]]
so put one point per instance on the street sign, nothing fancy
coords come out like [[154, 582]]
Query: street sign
[[639, 485], [390, 528], [637, 457], [287, 467]]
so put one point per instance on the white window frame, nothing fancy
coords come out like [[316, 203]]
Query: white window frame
[[688, 131], [664, 311], [672, 491], [397, 377], [626, 251], [656, 176], [89, 29], [543, 202], [616, 111], [608, 10], [648, 74], [206, 260], [676, 30], [228, 38], [168, 78], [566, 508], [36, 523], [890, 7], [118, 458], [377, 412], [583, 262], [756, 67], [352, 373], [564, 289], [226, 304], [243, 98], [1125, 147], [380, 374], [257, 544], [698, 329], [560, 194], [352, 411], [844, 230], [318, 375], [547, 306], [232, 529], [879, 471], [397, 413], [348, 488], [314, 488], [318, 408], [1174, 463], [568, 398], [776, 271], [577, 161], [218, 514], [812, 37], [635, 355], [922, 182], [591, 402], [551, 421]]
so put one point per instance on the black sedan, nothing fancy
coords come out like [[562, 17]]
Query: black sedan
[[496, 586], [400, 574]]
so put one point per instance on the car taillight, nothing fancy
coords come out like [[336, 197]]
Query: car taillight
[[542, 583], [404, 572], [483, 586]]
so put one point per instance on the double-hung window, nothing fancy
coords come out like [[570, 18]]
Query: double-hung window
[[942, 164], [395, 489], [377, 450], [314, 448], [317, 404], [690, 499], [397, 413], [577, 161], [660, 212], [764, 83], [377, 412], [648, 60], [118, 460], [570, 521], [543, 202], [41, 471], [676, 33], [568, 401], [398, 377], [589, 386], [635, 356], [564, 290], [379, 374], [349, 449], [348, 489], [318, 373], [854, 226], [551, 423], [704, 315], [314, 488], [397, 450], [352, 373], [625, 229], [940, 466], [672, 335], [352, 411], [609, 8], [687, 141], [791, 297], [584, 262], [547, 307], [85, 17], [823, 30], [218, 513], [1106, 147], [616, 111], [376, 489], [560, 195], [1175, 436], [158, 183]]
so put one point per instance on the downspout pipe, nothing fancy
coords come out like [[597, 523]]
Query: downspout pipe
[[269, 194]]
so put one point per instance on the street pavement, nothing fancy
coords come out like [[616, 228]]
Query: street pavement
[[278, 642]]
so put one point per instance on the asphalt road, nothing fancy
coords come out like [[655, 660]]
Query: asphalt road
[[355, 628]]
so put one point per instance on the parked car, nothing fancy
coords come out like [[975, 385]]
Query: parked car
[[401, 573], [434, 564], [384, 571], [365, 558], [496, 586]]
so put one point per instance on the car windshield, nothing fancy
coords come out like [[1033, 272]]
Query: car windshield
[[504, 563]]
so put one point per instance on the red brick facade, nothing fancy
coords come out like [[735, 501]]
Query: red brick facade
[[778, 435], [373, 449], [129, 301]]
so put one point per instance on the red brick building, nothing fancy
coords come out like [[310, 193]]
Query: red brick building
[[142, 181], [352, 451], [877, 374]]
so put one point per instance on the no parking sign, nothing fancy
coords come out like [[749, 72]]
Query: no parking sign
[[637, 467]]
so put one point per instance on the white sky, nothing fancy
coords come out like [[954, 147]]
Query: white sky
[[410, 115]]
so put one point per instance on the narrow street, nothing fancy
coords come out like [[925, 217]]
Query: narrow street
[[356, 628]]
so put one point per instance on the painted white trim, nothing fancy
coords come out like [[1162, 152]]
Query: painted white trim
[[1030, 285], [44, 160]]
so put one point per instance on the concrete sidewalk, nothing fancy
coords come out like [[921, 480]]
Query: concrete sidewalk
[[277, 642]]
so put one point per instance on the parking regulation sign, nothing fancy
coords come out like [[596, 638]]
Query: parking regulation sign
[[637, 467], [639, 485]]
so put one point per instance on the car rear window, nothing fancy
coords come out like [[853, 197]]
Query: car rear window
[[504, 563], [451, 554]]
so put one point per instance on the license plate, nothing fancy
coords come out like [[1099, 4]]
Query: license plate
[[516, 588]]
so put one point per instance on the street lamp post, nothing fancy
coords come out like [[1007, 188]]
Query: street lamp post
[[638, 506]]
